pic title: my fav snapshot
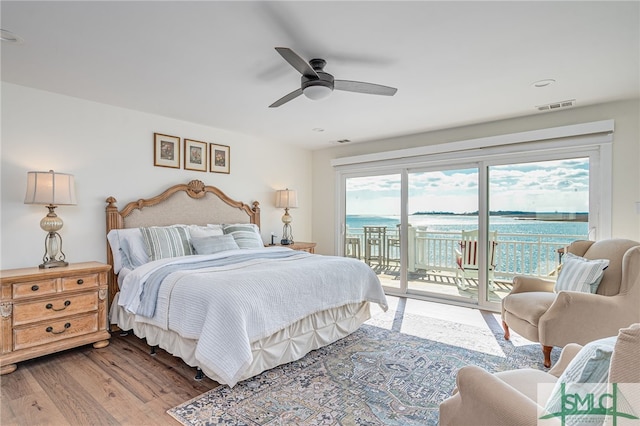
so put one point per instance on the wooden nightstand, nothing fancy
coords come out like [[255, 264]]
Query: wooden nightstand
[[308, 247], [43, 311]]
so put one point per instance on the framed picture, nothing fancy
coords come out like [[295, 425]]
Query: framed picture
[[219, 158], [195, 155], [166, 151]]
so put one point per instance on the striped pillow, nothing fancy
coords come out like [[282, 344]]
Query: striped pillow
[[213, 244], [588, 372], [580, 274], [247, 235], [166, 241]]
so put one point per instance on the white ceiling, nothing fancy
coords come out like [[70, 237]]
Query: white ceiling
[[214, 63]]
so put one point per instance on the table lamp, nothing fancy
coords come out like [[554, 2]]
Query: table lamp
[[51, 189], [286, 199]]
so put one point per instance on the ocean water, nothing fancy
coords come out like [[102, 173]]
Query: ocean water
[[455, 223]]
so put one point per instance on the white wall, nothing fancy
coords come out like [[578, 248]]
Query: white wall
[[110, 152], [626, 158]]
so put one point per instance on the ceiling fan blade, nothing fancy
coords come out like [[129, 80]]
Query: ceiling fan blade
[[297, 62], [361, 87], [286, 98]]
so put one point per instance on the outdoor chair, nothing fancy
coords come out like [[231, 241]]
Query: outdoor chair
[[467, 258], [374, 244], [352, 247], [536, 312]]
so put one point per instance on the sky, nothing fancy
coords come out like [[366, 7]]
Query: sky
[[549, 186]]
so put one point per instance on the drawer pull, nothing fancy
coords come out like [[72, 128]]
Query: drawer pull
[[80, 281], [66, 303], [50, 329], [35, 288]]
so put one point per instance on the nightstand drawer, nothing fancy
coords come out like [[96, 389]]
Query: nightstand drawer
[[34, 288], [59, 329], [79, 282], [54, 308]]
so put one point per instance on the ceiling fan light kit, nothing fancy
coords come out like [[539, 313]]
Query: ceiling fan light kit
[[316, 84], [317, 92]]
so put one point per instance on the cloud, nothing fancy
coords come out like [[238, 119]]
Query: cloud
[[559, 185]]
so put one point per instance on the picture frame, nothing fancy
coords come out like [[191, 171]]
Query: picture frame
[[219, 158], [195, 155], [166, 151]]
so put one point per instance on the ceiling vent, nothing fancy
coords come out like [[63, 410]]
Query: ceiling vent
[[556, 105]]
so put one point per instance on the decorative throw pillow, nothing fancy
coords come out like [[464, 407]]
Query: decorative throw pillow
[[213, 244], [163, 242], [128, 248], [247, 235], [580, 274], [587, 372]]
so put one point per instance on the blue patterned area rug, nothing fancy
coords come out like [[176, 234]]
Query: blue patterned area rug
[[375, 376]]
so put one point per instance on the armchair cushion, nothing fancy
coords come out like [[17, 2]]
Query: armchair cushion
[[526, 380], [580, 274], [529, 306]]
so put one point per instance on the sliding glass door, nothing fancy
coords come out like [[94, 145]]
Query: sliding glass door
[[442, 207], [372, 219], [461, 231], [536, 209]]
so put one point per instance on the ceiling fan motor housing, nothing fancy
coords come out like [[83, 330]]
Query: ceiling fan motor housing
[[324, 79]]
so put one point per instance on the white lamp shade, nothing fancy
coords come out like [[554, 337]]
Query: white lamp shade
[[286, 198], [50, 188]]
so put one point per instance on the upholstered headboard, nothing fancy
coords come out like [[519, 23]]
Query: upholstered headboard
[[190, 204]]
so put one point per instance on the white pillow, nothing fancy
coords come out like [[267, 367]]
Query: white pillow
[[197, 231], [580, 274], [213, 244], [128, 248], [166, 241], [588, 372], [247, 235]]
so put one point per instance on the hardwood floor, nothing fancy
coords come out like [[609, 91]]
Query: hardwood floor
[[87, 386]]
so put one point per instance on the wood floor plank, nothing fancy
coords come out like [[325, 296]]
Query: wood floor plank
[[69, 395], [155, 375], [24, 401], [16, 388], [118, 384], [34, 409], [109, 393]]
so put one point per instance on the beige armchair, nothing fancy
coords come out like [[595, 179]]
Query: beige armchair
[[535, 312], [511, 397]]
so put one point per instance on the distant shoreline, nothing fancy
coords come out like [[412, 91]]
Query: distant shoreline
[[520, 215]]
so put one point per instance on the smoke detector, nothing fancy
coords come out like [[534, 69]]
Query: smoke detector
[[556, 105]]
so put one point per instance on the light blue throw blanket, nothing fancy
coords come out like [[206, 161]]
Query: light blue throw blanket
[[149, 296]]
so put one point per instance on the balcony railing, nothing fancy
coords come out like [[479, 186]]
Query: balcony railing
[[429, 250]]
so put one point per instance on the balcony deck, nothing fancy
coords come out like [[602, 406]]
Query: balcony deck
[[431, 258], [438, 282]]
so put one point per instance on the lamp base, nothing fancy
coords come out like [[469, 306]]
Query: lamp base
[[286, 242], [53, 264]]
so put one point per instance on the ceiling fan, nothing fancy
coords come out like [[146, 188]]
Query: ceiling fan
[[317, 84]]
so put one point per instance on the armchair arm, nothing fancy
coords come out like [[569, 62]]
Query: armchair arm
[[568, 353], [484, 399], [523, 284], [583, 317]]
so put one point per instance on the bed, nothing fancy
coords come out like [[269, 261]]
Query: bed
[[224, 303]]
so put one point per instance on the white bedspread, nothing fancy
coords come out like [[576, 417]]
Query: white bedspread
[[226, 308]]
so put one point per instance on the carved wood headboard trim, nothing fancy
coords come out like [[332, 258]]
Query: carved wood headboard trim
[[195, 189]]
